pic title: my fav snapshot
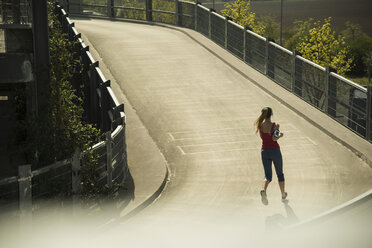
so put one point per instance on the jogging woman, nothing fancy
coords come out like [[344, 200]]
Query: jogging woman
[[270, 151]]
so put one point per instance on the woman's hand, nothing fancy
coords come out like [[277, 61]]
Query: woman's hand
[[275, 138]]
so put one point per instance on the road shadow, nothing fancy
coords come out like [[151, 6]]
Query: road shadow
[[277, 221], [112, 207]]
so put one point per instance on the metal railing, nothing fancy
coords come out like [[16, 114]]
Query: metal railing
[[24, 191], [348, 103], [15, 12]]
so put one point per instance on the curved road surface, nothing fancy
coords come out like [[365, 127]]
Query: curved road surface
[[200, 113]]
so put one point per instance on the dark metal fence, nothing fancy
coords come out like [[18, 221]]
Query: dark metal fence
[[102, 109], [341, 99]]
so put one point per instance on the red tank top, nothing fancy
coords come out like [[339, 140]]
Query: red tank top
[[267, 139]]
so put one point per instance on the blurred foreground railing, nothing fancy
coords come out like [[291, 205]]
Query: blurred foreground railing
[[24, 191]]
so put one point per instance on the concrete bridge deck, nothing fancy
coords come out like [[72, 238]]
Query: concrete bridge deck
[[198, 103]]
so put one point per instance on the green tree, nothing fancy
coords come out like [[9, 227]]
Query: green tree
[[360, 46], [272, 27], [301, 29], [239, 12], [321, 46]]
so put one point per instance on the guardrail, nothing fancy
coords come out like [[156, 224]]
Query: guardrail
[[24, 191], [347, 102]]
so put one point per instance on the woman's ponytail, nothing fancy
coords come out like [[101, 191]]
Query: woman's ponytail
[[265, 114]]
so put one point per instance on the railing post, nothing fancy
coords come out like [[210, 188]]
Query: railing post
[[105, 105], [149, 10], [93, 93], [248, 46], [25, 195], [196, 15], [226, 23], [270, 62], [75, 180], [293, 70], [326, 81], [110, 11], [125, 147], [245, 43], [296, 75], [210, 23], [109, 158], [267, 56], [369, 114], [178, 13], [330, 91]]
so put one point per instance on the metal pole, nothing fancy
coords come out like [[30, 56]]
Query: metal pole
[[267, 55], [109, 9], [226, 23], [210, 24], [177, 13], [109, 158], [281, 21], [326, 92], [369, 68], [244, 43], [41, 52], [369, 114], [149, 10], [196, 15]]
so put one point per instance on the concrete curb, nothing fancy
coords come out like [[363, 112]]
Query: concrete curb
[[157, 192], [150, 200]]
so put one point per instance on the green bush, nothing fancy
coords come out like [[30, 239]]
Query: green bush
[[61, 130]]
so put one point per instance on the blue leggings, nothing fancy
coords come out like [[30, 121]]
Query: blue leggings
[[272, 155]]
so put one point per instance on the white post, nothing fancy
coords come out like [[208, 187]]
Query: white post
[[109, 158], [25, 195]]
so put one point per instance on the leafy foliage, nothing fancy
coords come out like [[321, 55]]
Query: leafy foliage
[[321, 46], [164, 5], [66, 129], [130, 14], [301, 29], [272, 27], [239, 12], [56, 134], [360, 47]]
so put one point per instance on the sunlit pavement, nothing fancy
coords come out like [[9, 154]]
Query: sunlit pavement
[[199, 111]]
